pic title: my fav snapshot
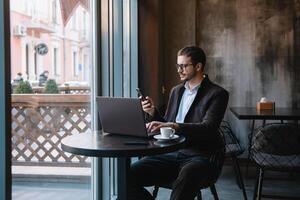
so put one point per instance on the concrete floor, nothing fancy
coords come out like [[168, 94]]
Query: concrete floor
[[226, 188]]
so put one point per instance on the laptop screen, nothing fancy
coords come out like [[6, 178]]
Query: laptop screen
[[122, 116]]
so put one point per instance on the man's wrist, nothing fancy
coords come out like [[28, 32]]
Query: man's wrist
[[175, 126], [152, 112]]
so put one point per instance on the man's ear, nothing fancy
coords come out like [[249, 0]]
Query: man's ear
[[199, 67]]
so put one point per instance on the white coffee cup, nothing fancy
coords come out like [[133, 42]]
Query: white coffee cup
[[167, 132]]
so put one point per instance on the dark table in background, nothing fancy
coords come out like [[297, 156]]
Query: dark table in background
[[113, 146], [251, 113]]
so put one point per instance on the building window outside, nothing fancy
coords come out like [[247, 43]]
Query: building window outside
[[35, 65], [27, 60], [54, 11], [75, 65], [85, 67], [55, 62], [74, 21], [84, 25], [27, 8], [34, 10]]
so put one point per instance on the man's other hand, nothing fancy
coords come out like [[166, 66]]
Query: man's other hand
[[154, 126], [148, 105]]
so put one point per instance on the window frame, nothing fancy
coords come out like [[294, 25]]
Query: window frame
[[118, 53], [5, 107]]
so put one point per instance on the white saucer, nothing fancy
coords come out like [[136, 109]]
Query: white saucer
[[160, 137]]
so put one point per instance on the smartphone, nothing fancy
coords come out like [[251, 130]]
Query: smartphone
[[140, 94]]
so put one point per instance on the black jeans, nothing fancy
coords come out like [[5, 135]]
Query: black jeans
[[186, 173]]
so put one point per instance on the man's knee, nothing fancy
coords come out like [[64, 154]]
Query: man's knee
[[195, 172]]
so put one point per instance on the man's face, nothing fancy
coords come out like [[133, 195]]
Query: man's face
[[185, 68]]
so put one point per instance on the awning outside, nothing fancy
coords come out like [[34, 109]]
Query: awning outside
[[68, 7]]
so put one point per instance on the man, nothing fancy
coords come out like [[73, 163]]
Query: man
[[195, 110]]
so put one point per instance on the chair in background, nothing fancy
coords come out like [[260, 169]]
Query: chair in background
[[275, 147], [232, 150]]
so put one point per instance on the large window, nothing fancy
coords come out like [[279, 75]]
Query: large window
[[40, 119], [51, 97]]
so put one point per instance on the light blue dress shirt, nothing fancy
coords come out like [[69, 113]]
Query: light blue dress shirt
[[186, 102]]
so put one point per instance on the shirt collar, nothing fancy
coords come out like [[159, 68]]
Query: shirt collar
[[194, 89]]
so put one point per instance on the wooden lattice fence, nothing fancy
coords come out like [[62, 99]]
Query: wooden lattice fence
[[41, 121]]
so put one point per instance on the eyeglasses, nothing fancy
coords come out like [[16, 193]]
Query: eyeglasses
[[182, 66]]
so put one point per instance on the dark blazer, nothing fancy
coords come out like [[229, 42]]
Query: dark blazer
[[203, 119]]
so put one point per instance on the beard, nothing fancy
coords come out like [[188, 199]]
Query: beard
[[186, 77]]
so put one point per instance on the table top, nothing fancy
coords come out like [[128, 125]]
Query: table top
[[97, 144], [276, 114]]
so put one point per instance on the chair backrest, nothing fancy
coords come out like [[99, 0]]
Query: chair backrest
[[277, 139], [232, 144], [277, 147]]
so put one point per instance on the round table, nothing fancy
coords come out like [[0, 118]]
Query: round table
[[98, 144]]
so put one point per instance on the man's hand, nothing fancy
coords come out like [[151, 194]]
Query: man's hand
[[154, 126], [148, 105]]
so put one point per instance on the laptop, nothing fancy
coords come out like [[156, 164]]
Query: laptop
[[122, 116]]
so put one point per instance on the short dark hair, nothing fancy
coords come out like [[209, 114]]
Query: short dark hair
[[196, 54]]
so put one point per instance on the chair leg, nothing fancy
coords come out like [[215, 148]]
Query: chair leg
[[261, 178], [155, 191], [239, 176], [250, 136], [236, 171], [214, 192], [258, 186]]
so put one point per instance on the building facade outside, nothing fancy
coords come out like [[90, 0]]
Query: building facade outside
[[50, 35]]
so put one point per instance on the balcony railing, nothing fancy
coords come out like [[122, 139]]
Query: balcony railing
[[66, 89], [41, 121]]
